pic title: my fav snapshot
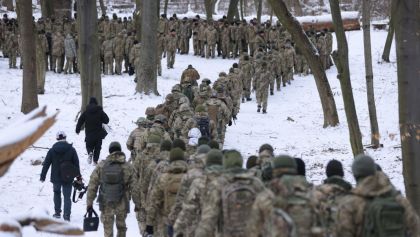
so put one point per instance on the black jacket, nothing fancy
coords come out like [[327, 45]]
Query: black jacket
[[60, 151], [93, 118]]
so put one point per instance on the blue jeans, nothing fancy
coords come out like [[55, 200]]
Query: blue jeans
[[66, 187]]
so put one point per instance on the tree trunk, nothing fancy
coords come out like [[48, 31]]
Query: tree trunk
[[298, 8], [165, 7], [209, 10], [259, 11], [310, 53], [47, 9], [241, 6], [147, 80], [62, 8], [8, 4], [407, 38], [103, 7], [233, 9], [341, 59], [137, 18], [391, 31], [89, 59], [374, 128], [27, 32]]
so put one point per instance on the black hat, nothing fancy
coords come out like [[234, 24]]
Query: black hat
[[251, 162], [176, 154], [334, 168], [93, 100], [178, 143], [114, 146], [301, 167]]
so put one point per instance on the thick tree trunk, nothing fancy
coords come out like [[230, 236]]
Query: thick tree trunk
[[341, 59], [209, 9], [298, 8], [89, 59], [103, 7], [241, 6], [374, 128], [233, 9], [259, 11], [47, 8], [147, 80], [165, 7], [62, 8], [312, 57], [407, 38], [391, 31], [27, 32], [8, 4], [137, 18]]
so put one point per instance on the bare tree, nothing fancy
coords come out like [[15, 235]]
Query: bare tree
[[233, 9], [147, 82], [341, 59], [407, 37], [374, 128], [165, 7], [8, 4], [259, 11], [62, 8], [27, 33], [137, 18], [89, 52], [208, 4], [103, 7], [47, 9], [312, 57], [391, 32]]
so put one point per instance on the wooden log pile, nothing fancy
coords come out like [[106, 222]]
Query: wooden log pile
[[319, 23]]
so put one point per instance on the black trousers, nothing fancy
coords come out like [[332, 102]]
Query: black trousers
[[95, 147]]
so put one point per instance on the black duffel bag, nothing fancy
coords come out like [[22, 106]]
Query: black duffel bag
[[91, 221]]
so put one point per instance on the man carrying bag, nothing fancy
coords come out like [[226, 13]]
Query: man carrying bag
[[64, 162]]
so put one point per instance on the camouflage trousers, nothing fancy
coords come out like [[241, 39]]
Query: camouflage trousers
[[211, 50], [262, 97], [108, 217], [287, 76], [57, 63], [225, 49], [118, 64], [202, 47], [196, 46], [170, 59], [69, 65], [184, 45], [108, 67]]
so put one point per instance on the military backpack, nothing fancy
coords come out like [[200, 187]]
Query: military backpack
[[112, 183], [171, 190], [204, 126]]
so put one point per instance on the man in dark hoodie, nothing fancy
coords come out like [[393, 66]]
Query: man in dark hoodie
[[62, 158], [92, 119]]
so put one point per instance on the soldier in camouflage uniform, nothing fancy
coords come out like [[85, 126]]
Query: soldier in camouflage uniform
[[261, 83], [118, 49], [70, 52], [228, 203], [210, 35], [192, 74], [202, 38], [102, 178], [289, 61], [185, 35], [129, 43], [134, 140], [41, 49], [189, 217], [329, 45], [246, 72], [107, 51], [220, 114], [135, 58], [171, 47], [163, 195], [58, 51], [372, 184], [178, 119]]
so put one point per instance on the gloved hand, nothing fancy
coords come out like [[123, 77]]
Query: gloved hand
[[170, 231], [42, 180], [89, 208], [230, 123], [149, 230], [79, 178]]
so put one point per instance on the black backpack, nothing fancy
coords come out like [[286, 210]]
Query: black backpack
[[112, 182], [68, 171], [188, 92], [204, 127]]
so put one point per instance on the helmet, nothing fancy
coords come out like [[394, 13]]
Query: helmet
[[184, 107], [184, 100], [141, 120], [160, 118], [150, 111], [176, 88]]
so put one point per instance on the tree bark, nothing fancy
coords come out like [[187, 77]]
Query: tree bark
[[103, 7], [374, 128], [209, 9], [165, 7], [62, 8], [47, 9], [137, 18], [147, 80], [391, 31], [341, 59], [233, 9], [259, 11], [298, 8], [27, 32], [241, 6], [312, 57], [407, 38], [8, 4], [89, 52]]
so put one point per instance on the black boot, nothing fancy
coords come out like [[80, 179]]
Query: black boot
[[271, 93], [248, 99], [264, 111], [259, 109]]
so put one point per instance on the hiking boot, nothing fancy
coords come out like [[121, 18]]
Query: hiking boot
[[259, 109], [67, 218], [57, 215], [271, 93], [243, 100], [248, 99], [264, 111], [90, 158]]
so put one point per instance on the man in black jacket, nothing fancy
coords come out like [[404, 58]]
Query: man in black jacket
[[93, 118], [62, 158]]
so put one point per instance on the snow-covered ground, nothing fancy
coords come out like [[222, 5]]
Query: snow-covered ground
[[304, 137]]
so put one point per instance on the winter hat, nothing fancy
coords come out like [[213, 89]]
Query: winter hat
[[166, 145], [233, 159], [214, 144], [334, 168], [114, 146], [301, 167], [176, 154], [200, 109], [251, 162], [283, 164], [178, 143], [266, 147], [93, 100], [363, 166], [203, 141], [61, 135], [203, 149], [214, 157]]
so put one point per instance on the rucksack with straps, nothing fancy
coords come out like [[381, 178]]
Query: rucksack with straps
[[112, 182], [156, 133], [204, 126], [237, 199], [384, 217], [280, 224], [171, 190], [68, 171], [188, 92]]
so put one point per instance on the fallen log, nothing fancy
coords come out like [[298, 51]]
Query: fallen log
[[319, 23]]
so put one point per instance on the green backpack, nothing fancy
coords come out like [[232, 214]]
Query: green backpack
[[384, 217], [112, 183]]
